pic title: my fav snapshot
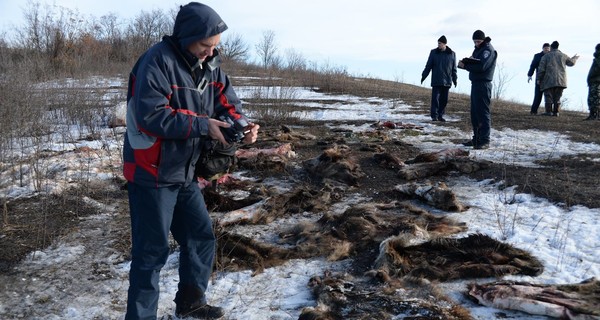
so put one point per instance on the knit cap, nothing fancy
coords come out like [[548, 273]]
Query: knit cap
[[478, 35]]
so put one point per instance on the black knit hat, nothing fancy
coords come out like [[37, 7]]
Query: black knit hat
[[546, 45], [443, 40], [478, 35], [554, 45], [598, 47]]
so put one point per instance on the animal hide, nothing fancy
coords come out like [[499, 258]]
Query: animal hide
[[571, 301], [284, 150], [431, 163], [438, 196], [342, 296], [422, 170], [336, 164], [476, 256], [439, 156]]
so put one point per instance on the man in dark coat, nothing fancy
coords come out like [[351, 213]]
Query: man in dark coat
[[593, 81], [176, 90], [537, 97], [442, 64], [481, 66]]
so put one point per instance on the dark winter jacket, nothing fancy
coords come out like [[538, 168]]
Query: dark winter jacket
[[170, 99], [442, 65], [483, 70], [593, 77], [552, 71], [535, 63]]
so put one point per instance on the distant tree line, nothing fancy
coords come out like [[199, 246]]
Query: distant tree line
[[55, 41]]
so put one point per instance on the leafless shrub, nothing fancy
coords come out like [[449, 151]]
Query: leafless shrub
[[233, 48], [500, 83], [267, 48]]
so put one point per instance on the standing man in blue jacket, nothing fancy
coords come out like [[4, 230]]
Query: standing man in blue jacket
[[442, 64], [481, 67], [537, 97], [176, 90]]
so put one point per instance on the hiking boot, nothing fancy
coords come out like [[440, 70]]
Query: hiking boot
[[202, 312], [434, 119], [468, 143], [593, 115], [555, 114], [482, 146], [441, 119]]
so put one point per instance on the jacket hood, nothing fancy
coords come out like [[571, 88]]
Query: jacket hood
[[196, 21]]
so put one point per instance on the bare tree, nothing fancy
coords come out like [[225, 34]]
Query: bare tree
[[234, 48], [148, 29], [500, 83], [295, 60], [267, 49]]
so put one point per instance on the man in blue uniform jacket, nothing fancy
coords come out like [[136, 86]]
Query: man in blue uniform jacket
[[481, 66]]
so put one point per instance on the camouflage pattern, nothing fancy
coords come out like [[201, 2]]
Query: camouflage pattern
[[594, 97]]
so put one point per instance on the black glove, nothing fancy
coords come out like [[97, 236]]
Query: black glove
[[454, 84], [422, 79]]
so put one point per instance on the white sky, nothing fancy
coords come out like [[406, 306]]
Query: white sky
[[391, 39], [564, 239]]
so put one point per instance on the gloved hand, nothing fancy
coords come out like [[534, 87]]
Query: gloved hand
[[454, 83], [422, 79], [528, 79]]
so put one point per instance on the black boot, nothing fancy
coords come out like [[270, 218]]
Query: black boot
[[548, 110], [593, 114], [190, 304], [556, 109]]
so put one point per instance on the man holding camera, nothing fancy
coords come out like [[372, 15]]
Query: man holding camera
[[176, 90]]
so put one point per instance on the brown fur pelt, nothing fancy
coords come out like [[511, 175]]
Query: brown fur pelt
[[301, 199], [265, 162], [439, 156], [343, 296], [217, 201], [287, 134], [476, 256], [422, 170], [566, 301], [284, 150], [431, 163], [437, 195], [363, 227], [388, 160], [236, 252], [336, 164]]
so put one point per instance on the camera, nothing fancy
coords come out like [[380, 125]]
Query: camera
[[237, 130]]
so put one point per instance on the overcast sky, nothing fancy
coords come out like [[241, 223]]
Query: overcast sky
[[391, 39]]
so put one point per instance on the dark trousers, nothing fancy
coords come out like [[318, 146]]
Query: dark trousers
[[155, 211], [439, 100], [537, 98], [553, 95], [481, 120]]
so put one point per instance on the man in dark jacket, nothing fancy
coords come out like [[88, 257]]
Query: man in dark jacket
[[442, 63], [537, 97], [593, 81], [176, 89], [481, 66]]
